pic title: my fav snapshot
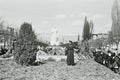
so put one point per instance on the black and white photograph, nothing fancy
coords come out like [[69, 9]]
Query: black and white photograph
[[59, 39]]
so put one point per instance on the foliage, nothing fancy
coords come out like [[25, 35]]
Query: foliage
[[2, 24], [85, 50], [25, 46], [87, 30], [96, 43], [7, 33], [111, 39], [116, 21], [91, 28], [42, 44]]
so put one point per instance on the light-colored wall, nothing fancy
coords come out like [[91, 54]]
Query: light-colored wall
[[45, 37]]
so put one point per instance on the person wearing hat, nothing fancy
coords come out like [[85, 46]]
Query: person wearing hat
[[70, 54]]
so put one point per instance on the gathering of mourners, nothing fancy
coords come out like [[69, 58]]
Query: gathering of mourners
[[107, 56], [60, 39]]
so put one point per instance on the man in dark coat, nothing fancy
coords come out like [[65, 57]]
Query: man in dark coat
[[70, 54]]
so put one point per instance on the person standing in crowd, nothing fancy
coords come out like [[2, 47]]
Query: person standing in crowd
[[70, 54]]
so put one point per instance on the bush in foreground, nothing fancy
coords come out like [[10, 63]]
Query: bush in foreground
[[25, 46]]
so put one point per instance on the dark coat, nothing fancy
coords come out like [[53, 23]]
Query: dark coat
[[70, 55]]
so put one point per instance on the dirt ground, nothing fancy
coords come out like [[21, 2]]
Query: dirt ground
[[83, 70]]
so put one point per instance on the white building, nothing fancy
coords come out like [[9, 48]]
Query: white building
[[100, 35]]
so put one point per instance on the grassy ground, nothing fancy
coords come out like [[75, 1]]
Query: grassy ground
[[83, 70]]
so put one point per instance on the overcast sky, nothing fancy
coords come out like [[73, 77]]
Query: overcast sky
[[66, 15]]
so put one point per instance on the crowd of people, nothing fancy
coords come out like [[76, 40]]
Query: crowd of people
[[107, 57]]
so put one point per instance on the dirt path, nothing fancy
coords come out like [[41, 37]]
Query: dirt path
[[83, 70]]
